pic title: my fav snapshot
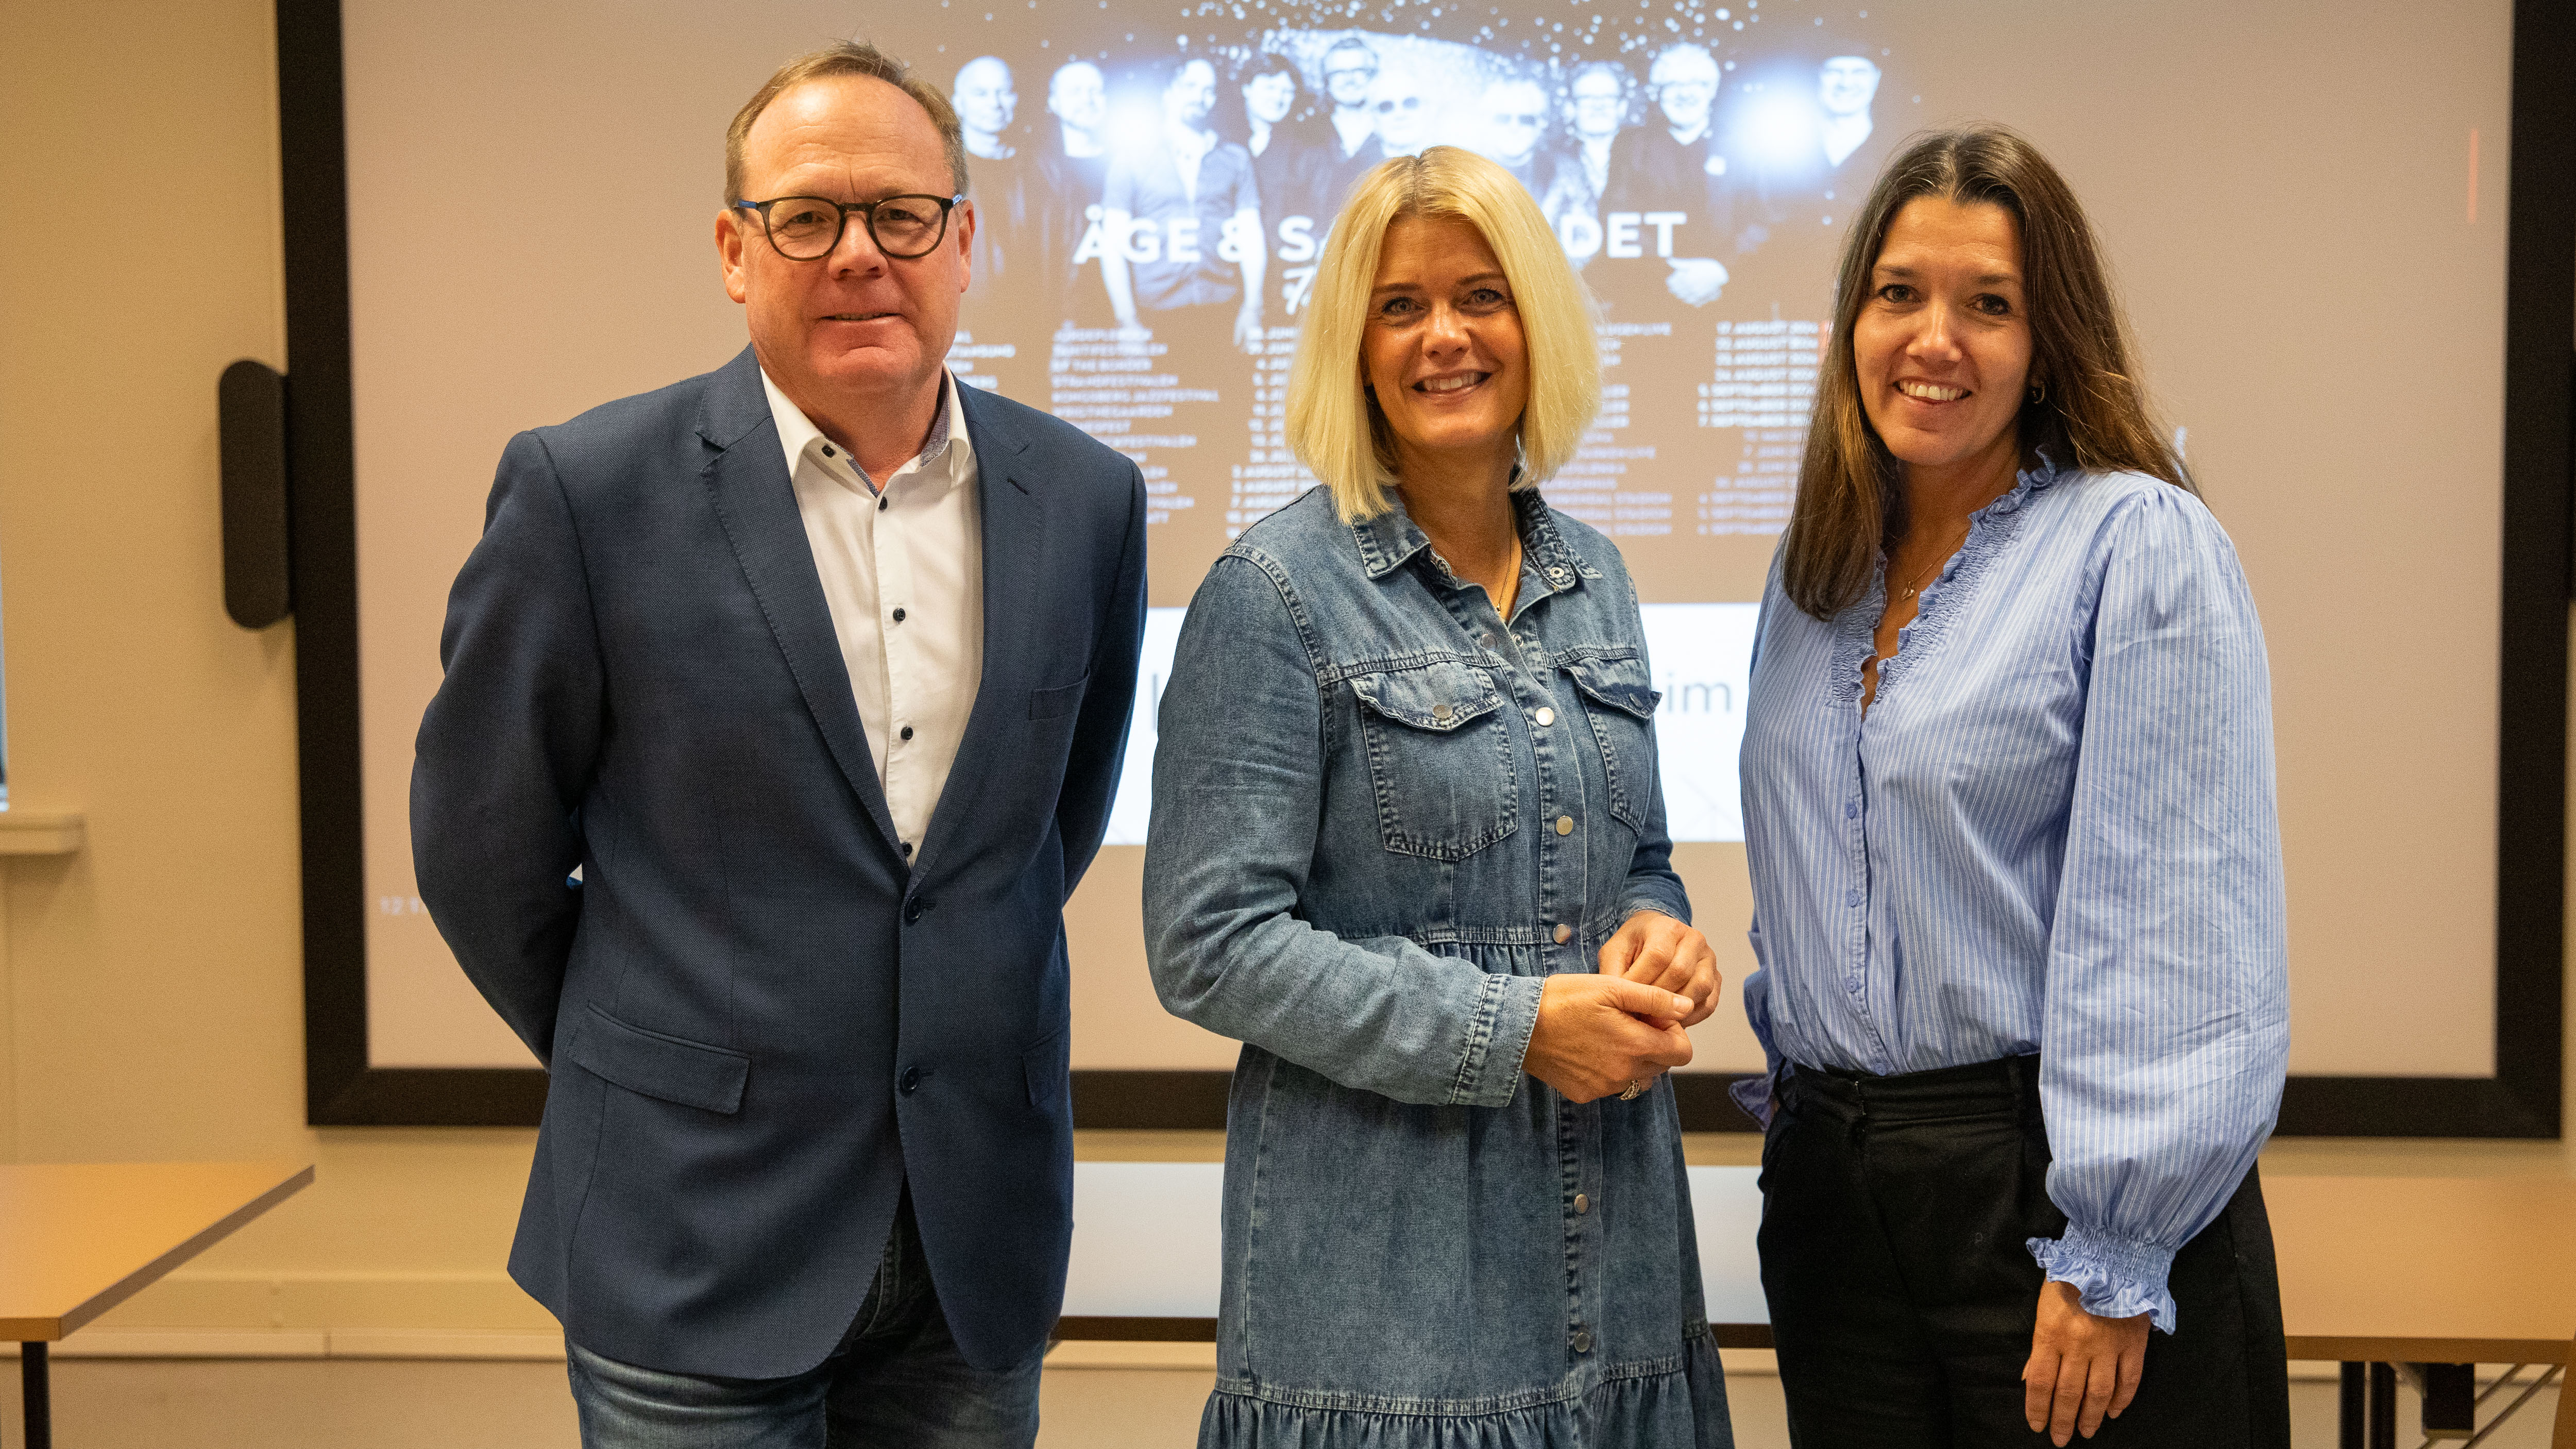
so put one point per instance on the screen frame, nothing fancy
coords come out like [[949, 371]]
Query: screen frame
[[2521, 1100]]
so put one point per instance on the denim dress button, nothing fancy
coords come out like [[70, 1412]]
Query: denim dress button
[[1545, 716], [1582, 1204], [1563, 933], [1582, 1340], [1565, 825], [1440, 712]]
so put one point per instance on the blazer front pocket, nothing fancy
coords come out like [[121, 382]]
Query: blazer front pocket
[[1439, 759], [670, 1068], [1061, 700]]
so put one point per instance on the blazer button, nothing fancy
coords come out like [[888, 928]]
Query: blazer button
[[909, 1082]]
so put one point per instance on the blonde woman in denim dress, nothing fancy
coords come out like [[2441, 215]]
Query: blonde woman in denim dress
[[1408, 847]]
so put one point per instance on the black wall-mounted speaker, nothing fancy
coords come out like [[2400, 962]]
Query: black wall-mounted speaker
[[251, 409]]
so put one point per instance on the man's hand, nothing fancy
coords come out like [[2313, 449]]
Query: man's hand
[[1655, 949], [1696, 280], [2081, 1367], [1596, 1034]]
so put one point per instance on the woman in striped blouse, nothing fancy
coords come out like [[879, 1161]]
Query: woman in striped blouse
[[2008, 801]]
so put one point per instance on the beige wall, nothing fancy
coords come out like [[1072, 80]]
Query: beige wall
[[152, 988]]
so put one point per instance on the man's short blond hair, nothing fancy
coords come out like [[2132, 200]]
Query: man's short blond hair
[[1336, 428], [848, 57]]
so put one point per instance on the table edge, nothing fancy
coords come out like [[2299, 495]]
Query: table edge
[[50, 1330]]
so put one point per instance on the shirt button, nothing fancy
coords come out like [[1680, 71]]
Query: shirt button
[[1565, 825], [909, 1082], [907, 848], [1851, 898], [827, 450], [898, 616], [881, 503], [1582, 1340], [1545, 716], [1582, 1204], [1563, 933], [907, 734], [1440, 711], [1851, 810]]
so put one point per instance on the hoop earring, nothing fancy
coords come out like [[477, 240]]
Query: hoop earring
[[2039, 392]]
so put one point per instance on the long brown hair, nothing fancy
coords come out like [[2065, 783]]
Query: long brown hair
[[2094, 415]]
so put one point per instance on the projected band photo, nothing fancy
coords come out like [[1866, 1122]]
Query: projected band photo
[[1150, 213]]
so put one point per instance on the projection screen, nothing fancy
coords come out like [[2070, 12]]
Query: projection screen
[[2306, 209]]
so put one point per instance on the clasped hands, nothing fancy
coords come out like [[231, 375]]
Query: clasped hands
[[1598, 1033]]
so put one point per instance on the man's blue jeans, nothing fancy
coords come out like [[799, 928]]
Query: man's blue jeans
[[896, 1382]]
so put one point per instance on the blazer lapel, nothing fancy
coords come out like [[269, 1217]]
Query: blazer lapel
[[756, 502], [1012, 525]]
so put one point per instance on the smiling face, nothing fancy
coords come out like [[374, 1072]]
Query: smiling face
[[984, 98], [1266, 98], [1443, 352], [855, 329], [1846, 84], [1942, 345]]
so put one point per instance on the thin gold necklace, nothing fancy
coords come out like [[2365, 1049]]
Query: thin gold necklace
[[1915, 586]]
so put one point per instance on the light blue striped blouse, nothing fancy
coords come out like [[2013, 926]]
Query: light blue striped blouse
[[2053, 832]]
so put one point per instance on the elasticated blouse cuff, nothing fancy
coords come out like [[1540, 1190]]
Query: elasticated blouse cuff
[[1489, 1070], [2115, 1277]]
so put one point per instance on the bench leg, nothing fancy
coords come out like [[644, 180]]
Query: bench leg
[[39, 1398]]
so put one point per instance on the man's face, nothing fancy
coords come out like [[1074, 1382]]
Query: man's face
[[1685, 85], [856, 328], [984, 98], [1268, 97], [1515, 114], [1596, 105], [1846, 84], [1347, 74], [1191, 95], [1403, 117], [1078, 96]]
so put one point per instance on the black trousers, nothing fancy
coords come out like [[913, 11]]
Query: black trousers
[[1894, 1215]]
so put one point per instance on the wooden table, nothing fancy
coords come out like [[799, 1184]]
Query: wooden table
[[2437, 1274], [77, 1239], [2376, 1272]]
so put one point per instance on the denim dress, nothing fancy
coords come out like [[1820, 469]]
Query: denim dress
[[1382, 817]]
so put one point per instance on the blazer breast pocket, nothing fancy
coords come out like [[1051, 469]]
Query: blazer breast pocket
[[1062, 700]]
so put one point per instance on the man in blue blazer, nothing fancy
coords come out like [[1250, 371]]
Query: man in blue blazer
[[783, 709]]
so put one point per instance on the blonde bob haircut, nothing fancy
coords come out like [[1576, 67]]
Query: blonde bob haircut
[[1336, 426]]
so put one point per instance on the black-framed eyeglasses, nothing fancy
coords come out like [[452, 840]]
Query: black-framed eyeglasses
[[806, 228]]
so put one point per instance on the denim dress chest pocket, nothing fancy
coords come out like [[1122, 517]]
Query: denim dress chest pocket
[[1621, 710], [1439, 759]]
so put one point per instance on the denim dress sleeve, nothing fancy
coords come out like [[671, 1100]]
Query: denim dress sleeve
[[2166, 996], [1238, 800]]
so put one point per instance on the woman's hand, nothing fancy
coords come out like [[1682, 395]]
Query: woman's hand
[[1653, 948], [1596, 1034], [2081, 1367]]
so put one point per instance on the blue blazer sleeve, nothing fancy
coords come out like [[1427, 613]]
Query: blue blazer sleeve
[[1108, 703], [507, 748]]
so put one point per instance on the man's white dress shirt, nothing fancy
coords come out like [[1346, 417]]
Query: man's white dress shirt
[[902, 563]]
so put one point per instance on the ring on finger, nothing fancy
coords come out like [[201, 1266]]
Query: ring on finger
[[1635, 1086]]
